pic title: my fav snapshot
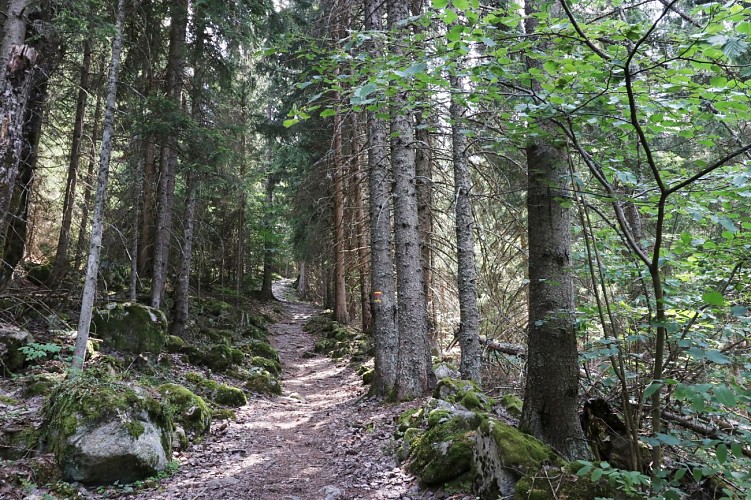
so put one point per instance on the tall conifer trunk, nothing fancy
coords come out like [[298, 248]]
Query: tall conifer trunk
[[169, 155], [383, 305], [551, 394], [469, 336], [414, 371]]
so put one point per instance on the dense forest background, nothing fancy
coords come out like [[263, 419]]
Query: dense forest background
[[560, 189]]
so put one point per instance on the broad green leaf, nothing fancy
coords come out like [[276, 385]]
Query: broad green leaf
[[327, 112], [412, 70], [290, 122], [461, 4], [721, 452], [716, 356], [725, 396], [713, 298], [738, 310], [596, 475], [653, 387], [668, 439], [439, 4]]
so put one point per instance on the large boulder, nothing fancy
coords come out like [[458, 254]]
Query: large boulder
[[103, 432], [190, 410], [12, 339], [503, 455], [131, 327]]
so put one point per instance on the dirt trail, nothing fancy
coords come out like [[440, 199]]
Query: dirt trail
[[320, 440]]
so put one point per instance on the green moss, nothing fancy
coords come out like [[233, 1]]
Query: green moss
[[513, 404], [17, 443], [131, 327], [463, 392], [443, 452], [518, 451], [408, 438], [7, 400], [87, 400], [262, 349], [539, 486], [215, 307], [189, 410], [408, 419], [223, 414], [262, 382], [270, 365], [367, 377], [173, 344], [217, 336], [39, 274], [229, 396], [255, 332]]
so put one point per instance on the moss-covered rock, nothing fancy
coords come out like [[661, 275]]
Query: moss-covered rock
[[513, 404], [503, 455], [39, 273], [189, 410], [217, 392], [230, 396], [261, 381], [18, 441], [12, 340], [214, 307], [217, 335], [131, 327], [262, 349], [173, 344], [443, 452], [270, 365], [463, 392], [103, 431], [41, 384]]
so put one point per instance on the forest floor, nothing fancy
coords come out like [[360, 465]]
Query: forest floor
[[322, 439]]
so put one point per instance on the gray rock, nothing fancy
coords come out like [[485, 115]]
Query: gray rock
[[131, 327], [330, 492], [11, 341], [109, 452], [442, 370]]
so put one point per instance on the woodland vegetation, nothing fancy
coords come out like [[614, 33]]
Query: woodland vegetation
[[555, 195]]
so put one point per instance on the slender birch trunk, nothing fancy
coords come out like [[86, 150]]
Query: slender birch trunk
[[92, 268]]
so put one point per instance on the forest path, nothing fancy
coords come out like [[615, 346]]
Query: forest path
[[320, 440]]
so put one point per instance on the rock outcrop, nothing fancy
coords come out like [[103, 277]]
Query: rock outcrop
[[12, 339], [131, 327], [103, 432]]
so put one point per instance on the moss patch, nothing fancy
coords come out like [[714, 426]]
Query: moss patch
[[217, 392], [189, 410], [513, 404], [463, 392], [131, 327], [270, 365], [173, 344], [86, 401], [442, 453], [261, 381]]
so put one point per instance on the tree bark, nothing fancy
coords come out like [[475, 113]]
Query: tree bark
[[63, 243], [383, 304], [358, 178], [169, 156], [340, 283], [268, 239], [182, 292], [16, 80], [88, 182], [551, 394], [414, 369], [469, 335], [92, 268]]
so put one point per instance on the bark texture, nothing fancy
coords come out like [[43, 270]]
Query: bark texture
[[414, 371], [169, 155], [551, 393], [383, 305], [469, 335], [340, 283], [97, 230]]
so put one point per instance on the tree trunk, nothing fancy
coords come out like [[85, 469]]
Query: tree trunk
[[16, 80], [469, 335], [63, 244], [88, 183], [182, 292], [424, 172], [92, 268], [340, 283], [268, 238], [551, 394], [169, 156], [383, 304], [414, 367], [302, 281], [358, 178]]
